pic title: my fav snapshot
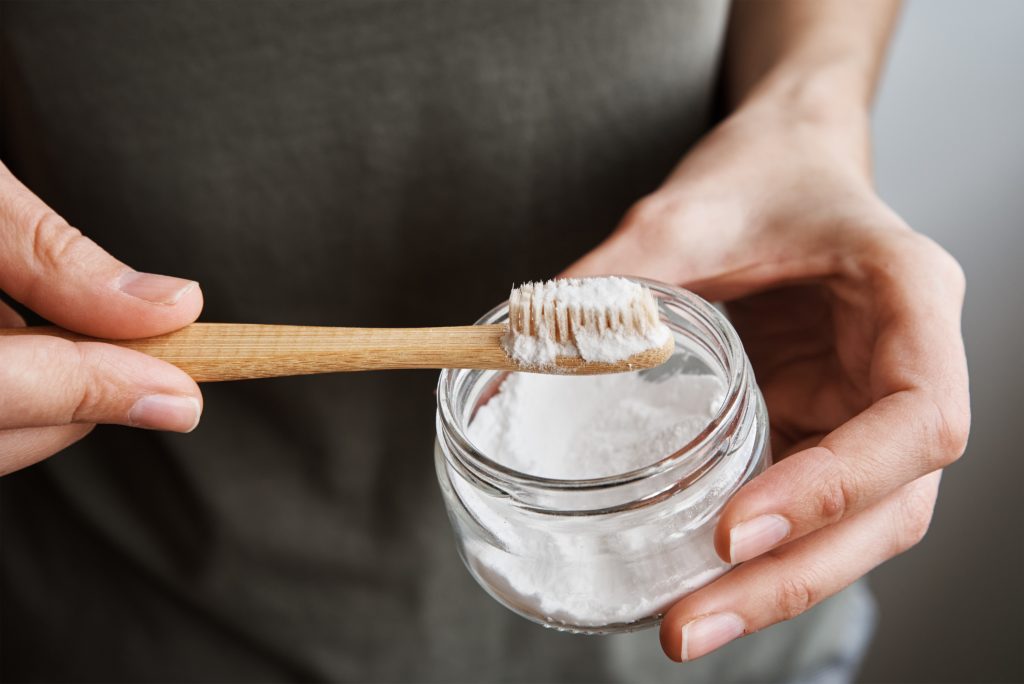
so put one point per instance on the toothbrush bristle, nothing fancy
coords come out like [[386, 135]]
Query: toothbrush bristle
[[561, 310]]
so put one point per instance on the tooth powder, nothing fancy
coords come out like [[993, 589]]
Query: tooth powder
[[588, 503]]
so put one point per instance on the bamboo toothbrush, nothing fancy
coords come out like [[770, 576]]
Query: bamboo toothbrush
[[211, 352]]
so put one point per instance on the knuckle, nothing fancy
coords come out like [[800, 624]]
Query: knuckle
[[52, 241], [662, 222], [915, 528], [913, 518], [647, 211], [653, 223], [101, 373], [940, 261], [833, 502], [42, 377], [951, 270], [891, 254], [883, 247], [88, 392], [793, 596], [836, 497], [880, 253], [952, 426], [942, 266], [76, 389]]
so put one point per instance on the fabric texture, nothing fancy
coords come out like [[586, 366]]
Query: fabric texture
[[325, 163]]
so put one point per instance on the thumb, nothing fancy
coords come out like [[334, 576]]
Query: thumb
[[622, 253], [654, 240], [618, 254], [68, 279], [706, 249]]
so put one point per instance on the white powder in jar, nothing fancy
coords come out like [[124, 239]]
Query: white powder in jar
[[589, 572], [576, 428]]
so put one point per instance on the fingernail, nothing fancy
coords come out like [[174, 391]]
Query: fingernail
[[165, 412], [703, 635], [158, 289], [752, 538]]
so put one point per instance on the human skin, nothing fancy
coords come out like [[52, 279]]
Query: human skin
[[52, 391], [850, 319]]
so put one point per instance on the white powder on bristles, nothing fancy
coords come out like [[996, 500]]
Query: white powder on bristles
[[587, 571], [605, 319]]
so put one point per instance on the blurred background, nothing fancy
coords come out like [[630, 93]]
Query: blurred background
[[949, 144]]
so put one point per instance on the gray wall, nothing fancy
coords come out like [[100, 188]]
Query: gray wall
[[949, 128]]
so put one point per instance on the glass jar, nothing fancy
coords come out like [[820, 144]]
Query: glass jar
[[610, 554]]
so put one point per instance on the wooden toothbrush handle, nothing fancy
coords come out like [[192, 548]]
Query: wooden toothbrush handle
[[211, 352]]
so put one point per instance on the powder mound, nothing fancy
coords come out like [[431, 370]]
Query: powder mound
[[608, 569], [604, 319], [592, 426]]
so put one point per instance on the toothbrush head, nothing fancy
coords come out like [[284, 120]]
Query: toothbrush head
[[575, 322]]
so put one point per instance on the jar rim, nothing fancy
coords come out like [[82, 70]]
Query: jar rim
[[734, 366]]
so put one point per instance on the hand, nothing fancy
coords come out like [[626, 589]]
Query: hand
[[852, 324], [53, 392]]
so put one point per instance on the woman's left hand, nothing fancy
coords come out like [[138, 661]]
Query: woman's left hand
[[852, 323]]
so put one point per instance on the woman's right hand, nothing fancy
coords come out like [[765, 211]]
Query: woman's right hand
[[52, 391]]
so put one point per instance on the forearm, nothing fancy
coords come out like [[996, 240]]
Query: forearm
[[815, 60]]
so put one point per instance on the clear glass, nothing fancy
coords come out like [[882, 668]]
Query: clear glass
[[614, 552]]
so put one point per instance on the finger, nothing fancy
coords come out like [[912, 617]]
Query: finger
[[9, 318], [56, 271], [891, 443], [919, 423], [21, 448], [787, 582], [51, 381]]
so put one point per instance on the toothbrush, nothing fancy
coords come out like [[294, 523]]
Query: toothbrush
[[212, 352]]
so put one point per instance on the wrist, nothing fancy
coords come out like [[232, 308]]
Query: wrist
[[824, 101]]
